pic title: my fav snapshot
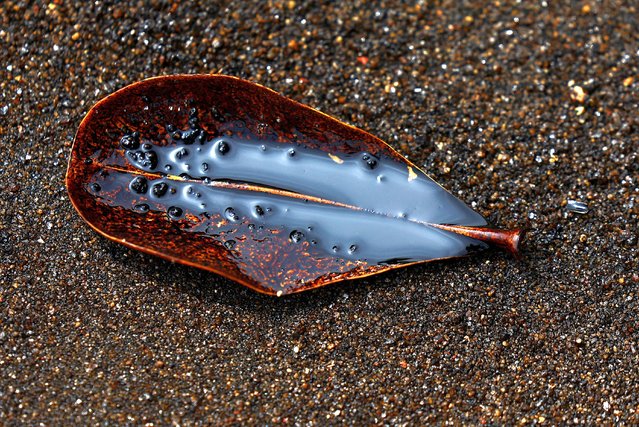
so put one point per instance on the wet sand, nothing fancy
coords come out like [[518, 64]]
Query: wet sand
[[516, 109]]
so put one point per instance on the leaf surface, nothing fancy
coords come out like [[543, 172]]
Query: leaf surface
[[229, 176]]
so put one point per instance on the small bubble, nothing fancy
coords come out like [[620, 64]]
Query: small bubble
[[130, 141], [313, 242], [335, 248], [142, 208], [181, 153], [170, 128], [229, 244], [88, 161], [146, 146], [291, 153], [147, 159], [174, 212], [296, 236], [251, 226], [96, 187], [369, 160], [577, 207], [258, 210], [352, 249], [176, 135], [193, 120], [231, 215], [139, 185], [168, 167], [223, 147], [205, 167], [263, 147]]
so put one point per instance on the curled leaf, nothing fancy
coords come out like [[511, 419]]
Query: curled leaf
[[229, 176]]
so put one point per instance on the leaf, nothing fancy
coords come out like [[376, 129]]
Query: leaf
[[229, 176]]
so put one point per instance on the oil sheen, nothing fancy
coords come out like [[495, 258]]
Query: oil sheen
[[348, 206]]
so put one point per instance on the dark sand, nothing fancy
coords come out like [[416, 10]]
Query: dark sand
[[515, 108]]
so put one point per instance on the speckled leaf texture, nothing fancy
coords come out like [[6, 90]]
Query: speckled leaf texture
[[226, 175]]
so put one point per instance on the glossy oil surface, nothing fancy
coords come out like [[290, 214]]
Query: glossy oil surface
[[270, 193]]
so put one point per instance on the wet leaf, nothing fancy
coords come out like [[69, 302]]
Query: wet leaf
[[226, 175]]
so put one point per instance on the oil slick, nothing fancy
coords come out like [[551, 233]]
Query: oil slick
[[226, 175]]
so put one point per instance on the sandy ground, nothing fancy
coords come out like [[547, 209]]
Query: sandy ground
[[516, 108]]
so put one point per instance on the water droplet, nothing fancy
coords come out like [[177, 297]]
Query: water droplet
[[146, 146], [205, 167], [263, 147], [170, 128], [96, 187], [130, 141], [577, 207], [174, 212], [229, 244], [181, 153], [223, 147], [144, 159], [231, 215], [168, 167], [352, 249], [369, 160], [142, 208], [291, 153], [139, 185], [193, 119], [296, 236], [258, 210]]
